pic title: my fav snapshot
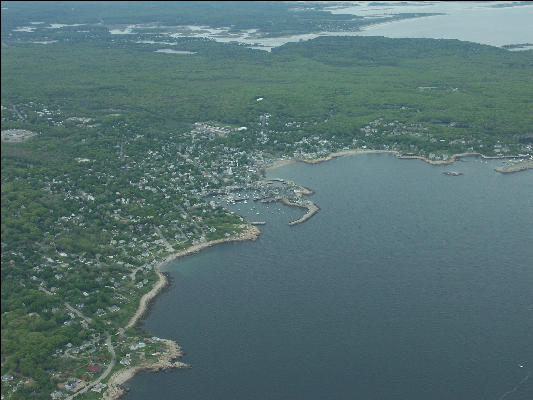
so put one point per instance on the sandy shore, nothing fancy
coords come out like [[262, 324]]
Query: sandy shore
[[148, 297], [280, 163]]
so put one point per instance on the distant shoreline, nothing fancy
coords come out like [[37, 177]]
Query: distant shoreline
[[312, 208], [451, 160]]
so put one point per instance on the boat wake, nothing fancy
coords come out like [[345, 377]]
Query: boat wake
[[503, 396]]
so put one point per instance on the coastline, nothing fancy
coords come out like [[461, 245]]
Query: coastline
[[330, 156], [336, 154], [454, 158], [525, 163], [451, 160], [167, 360], [135, 371], [516, 167], [252, 233], [148, 297]]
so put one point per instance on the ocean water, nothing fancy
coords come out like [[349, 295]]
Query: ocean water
[[485, 25], [407, 284], [479, 22]]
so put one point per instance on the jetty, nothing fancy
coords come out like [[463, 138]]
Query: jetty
[[311, 208]]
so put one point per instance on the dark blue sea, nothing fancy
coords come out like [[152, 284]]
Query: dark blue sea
[[407, 285]]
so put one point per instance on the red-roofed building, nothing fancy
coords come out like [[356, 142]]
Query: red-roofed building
[[94, 368]]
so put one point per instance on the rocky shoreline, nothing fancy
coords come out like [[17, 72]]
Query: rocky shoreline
[[454, 158], [451, 160], [331, 156], [115, 388], [168, 359], [516, 167]]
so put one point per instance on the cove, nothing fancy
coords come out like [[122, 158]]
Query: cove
[[407, 284]]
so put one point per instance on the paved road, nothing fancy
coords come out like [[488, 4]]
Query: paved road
[[165, 241], [78, 313], [167, 245], [45, 291], [106, 372], [18, 113]]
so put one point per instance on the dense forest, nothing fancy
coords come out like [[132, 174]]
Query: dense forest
[[347, 82]]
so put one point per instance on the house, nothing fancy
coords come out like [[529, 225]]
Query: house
[[71, 384], [125, 361], [139, 345], [94, 368], [98, 387]]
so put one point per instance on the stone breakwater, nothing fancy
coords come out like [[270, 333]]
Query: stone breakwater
[[311, 208], [305, 191], [167, 360]]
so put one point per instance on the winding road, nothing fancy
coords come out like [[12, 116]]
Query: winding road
[[105, 373]]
